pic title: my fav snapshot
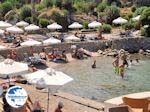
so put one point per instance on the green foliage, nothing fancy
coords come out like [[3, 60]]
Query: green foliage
[[133, 9], [129, 25], [142, 31], [145, 32], [28, 20], [17, 3], [5, 7], [106, 28], [82, 6], [85, 24], [112, 13], [145, 16], [101, 7], [25, 12], [47, 3], [39, 7], [43, 22], [139, 11]]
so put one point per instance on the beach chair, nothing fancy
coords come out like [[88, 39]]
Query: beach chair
[[123, 108], [137, 103]]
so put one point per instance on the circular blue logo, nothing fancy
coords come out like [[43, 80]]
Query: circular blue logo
[[16, 96]]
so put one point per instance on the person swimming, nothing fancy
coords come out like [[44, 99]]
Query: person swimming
[[94, 64], [137, 60]]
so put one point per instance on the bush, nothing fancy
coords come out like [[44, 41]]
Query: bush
[[85, 24], [39, 7], [82, 6], [139, 11], [43, 22], [145, 17], [145, 31], [142, 31], [112, 13], [25, 12], [129, 25], [28, 20], [107, 28], [6, 7], [101, 7], [47, 3], [133, 9]]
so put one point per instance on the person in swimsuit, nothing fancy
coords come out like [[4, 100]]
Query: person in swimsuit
[[116, 65]]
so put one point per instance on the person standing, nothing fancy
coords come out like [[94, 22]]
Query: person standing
[[116, 65]]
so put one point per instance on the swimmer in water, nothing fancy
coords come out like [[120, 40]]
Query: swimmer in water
[[137, 60], [94, 64]]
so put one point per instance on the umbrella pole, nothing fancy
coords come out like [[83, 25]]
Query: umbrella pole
[[48, 100]]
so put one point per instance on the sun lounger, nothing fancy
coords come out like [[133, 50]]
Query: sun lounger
[[137, 103]]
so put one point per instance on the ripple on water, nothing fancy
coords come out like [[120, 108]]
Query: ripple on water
[[101, 83]]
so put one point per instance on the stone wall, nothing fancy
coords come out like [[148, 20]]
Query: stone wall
[[130, 44]]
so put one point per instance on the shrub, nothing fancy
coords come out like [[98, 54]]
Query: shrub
[[85, 24], [139, 11], [82, 6], [39, 7], [25, 12], [133, 9], [101, 7], [28, 20], [107, 28], [47, 3], [145, 17], [142, 31], [5, 7], [43, 22], [112, 13], [145, 31], [128, 26]]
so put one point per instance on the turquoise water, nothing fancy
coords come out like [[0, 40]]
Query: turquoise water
[[102, 83]]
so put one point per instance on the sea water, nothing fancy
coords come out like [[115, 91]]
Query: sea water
[[102, 83]]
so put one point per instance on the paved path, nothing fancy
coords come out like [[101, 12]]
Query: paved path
[[82, 101]]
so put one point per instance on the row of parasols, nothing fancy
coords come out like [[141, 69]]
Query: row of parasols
[[16, 29], [54, 26]]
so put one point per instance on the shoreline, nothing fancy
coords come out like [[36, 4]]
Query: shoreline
[[132, 45]]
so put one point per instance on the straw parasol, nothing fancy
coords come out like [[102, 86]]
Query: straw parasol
[[31, 42], [4, 25], [51, 41], [137, 18], [120, 20], [32, 27], [14, 29], [72, 38], [48, 78], [94, 24], [10, 67], [75, 25], [22, 24], [54, 26]]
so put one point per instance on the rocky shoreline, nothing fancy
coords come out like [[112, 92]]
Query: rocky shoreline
[[132, 45]]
